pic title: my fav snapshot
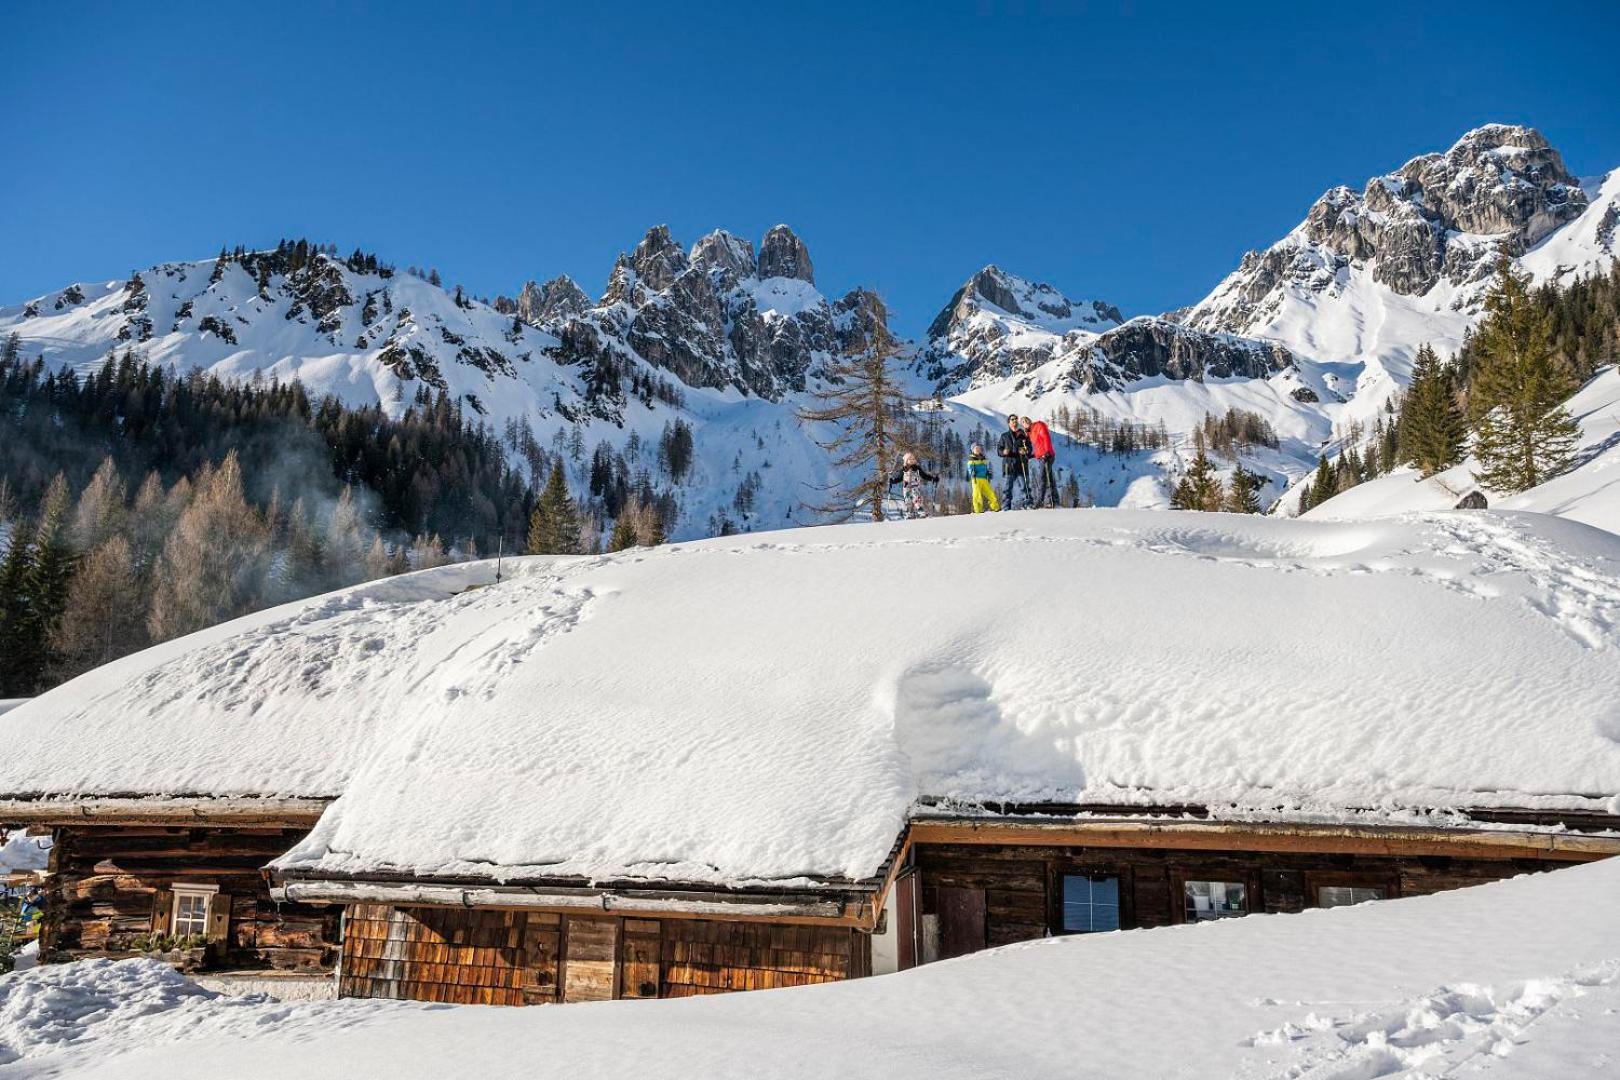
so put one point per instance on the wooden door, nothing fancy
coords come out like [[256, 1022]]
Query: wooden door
[[590, 955], [961, 921]]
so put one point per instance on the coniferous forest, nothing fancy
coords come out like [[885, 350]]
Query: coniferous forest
[[137, 505]]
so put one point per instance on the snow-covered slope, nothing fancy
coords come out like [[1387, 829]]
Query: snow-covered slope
[[718, 339], [1515, 980], [1588, 492], [1047, 657]]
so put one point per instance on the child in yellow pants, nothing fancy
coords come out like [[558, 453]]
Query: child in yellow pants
[[978, 475]]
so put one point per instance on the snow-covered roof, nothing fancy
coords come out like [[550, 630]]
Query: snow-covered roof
[[769, 708], [254, 707]]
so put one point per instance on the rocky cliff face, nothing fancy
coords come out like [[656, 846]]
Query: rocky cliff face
[[715, 316], [1440, 220], [1149, 347]]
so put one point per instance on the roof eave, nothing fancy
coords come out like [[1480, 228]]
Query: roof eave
[[242, 811]]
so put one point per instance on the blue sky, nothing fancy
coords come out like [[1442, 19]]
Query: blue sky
[[1128, 151]]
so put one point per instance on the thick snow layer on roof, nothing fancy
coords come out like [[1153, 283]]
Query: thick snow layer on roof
[[259, 706], [770, 707], [1517, 979]]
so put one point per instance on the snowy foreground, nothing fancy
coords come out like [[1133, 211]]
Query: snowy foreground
[[1514, 979]]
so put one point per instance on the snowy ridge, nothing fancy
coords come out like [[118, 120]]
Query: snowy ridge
[[487, 708], [1514, 979], [1315, 333]]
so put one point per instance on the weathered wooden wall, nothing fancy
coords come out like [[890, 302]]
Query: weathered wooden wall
[[108, 883], [509, 957], [988, 895]]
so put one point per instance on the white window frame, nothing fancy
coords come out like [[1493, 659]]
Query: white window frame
[[205, 893]]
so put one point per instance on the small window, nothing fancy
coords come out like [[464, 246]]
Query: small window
[[1215, 900], [1346, 895], [1090, 903], [191, 909]]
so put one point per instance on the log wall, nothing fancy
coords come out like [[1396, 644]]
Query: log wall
[[506, 957], [983, 895], [110, 885]]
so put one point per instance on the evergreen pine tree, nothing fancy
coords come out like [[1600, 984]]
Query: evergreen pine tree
[[1200, 489], [1431, 427], [15, 571], [1243, 493], [1522, 434], [44, 589], [554, 525], [623, 536]]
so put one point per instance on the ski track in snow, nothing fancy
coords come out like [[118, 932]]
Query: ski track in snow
[[1452, 1031]]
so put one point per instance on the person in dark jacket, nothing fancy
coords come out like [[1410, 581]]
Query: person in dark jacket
[[910, 478], [1044, 458], [1014, 453]]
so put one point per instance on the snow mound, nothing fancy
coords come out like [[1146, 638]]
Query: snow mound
[[46, 1007]]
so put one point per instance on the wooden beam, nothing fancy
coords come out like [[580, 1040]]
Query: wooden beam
[[811, 912], [1195, 835], [287, 813]]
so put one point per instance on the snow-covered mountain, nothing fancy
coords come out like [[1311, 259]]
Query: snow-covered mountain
[[1371, 275], [715, 337], [1315, 334]]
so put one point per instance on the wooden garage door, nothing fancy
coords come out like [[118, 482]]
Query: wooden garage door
[[590, 952]]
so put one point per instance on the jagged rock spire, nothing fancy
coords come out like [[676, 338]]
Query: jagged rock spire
[[783, 254]]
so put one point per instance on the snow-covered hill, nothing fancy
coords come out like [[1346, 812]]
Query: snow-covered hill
[[1588, 492], [1315, 335]]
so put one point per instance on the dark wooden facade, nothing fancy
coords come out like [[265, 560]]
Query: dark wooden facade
[[112, 885], [515, 957], [962, 888]]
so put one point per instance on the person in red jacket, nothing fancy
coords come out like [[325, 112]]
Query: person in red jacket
[[1044, 455]]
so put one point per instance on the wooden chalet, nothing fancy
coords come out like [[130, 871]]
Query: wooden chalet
[[180, 880], [956, 883], [594, 780]]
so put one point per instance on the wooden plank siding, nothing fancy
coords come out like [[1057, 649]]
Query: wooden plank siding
[[1016, 890], [110, 885], [510, 957]]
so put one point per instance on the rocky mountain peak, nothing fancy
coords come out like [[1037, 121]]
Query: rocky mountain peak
[[783, 254], [1442, 218], [1421, 224], [557, 298], [658, 259], [621, 286], [723, 251]]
